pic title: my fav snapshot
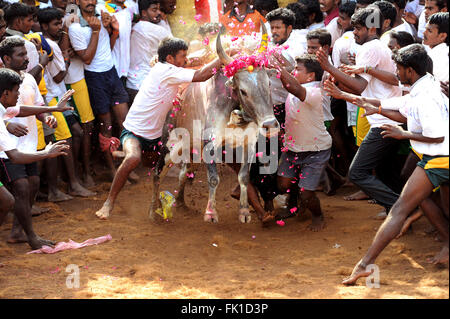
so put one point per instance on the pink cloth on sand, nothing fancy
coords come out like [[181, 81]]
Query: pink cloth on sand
[[71, 245]]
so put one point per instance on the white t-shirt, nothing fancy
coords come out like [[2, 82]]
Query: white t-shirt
[[439, 55], [406, 27], [28, 95], [296, 46], [53, 68], [165, 24], [121, 49], [145, 39], [75, 72], [377, 55], [426, 109], [422, 25], [155, 99], [305, 128], [80, 37], [314, 26], [334, 30], [6, 143]]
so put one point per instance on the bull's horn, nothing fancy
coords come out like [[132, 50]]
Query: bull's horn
[[264, 38], [223, 56]]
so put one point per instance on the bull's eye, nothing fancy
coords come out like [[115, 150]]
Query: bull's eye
[[243, 93]]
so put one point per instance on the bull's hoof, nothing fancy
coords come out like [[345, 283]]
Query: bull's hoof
[[211, 217], [244, 216]]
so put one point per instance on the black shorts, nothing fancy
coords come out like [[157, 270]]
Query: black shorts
[[10, 172], [105, 90]]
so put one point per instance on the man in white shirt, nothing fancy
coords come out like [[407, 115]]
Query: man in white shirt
[[92, 42], [145, 39], [9, 91], [400, 23], [144, 123], [23, 179], [374, 148], [307, 146], [51, 24], [431, 7], [167, 7], [281, 22], [425, 110], [313, 14], [436, 37], [121, 50]]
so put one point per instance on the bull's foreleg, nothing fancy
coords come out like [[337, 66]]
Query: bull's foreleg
[[244, 177], [213, 181]]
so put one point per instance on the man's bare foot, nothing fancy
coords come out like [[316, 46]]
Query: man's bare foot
[[441, 257], [79, 191], [104, 212], [408, 222], [37, 242], [37, 211], [58, 196], [358, 272], [381, 215], [318, 223], [133, 177], [17, 238], [360, 195], [88, 181], [236, 193], [268, 218]]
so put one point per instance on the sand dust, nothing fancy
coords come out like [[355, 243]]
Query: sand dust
[[187, 258]]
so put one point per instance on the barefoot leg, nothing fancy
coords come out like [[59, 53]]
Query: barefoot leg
[[132, 159], [415, 192], [311, 201]]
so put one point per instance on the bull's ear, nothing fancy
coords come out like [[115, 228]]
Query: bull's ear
[[229, 83]]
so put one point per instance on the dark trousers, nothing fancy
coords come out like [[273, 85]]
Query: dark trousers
[[373, 152]]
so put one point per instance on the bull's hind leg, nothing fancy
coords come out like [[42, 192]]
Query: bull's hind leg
[[213, 181], [182, 179], [244, 177]]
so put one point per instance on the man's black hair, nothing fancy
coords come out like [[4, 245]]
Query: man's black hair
[[313, 6], [441, 20], [403, 38], [401, 4], [145, 4], [412, 56], [47, 15], [18, 10], [348, 8], [8, 80], [8, 45], [265, 5], [286, 15], [322, 35], [441, 4], [365, 2], [301, 16], [387, 10], [366, 16], [170, 46], [311, 65]]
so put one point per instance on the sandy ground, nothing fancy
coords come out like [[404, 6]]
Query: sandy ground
[[187, 258]]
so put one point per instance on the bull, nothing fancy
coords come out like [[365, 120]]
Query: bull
[[211, 105]]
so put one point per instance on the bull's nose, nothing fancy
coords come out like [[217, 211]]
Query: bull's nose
[[271, 124]]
